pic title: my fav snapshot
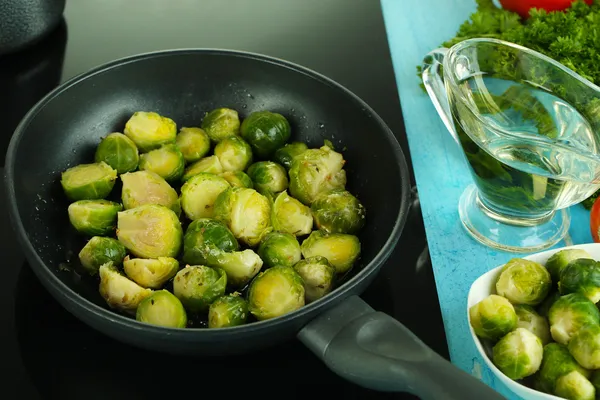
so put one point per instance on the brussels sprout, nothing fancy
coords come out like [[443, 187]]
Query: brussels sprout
[[316, 171], [581, 276], [338, 211], [340, 249], [150, 231], [524, 282], [94, 217], [118, 151], [229, 310], [493, 317], [240, 266], [167, 161], [150, 273], [118, 291], [146, 187], [275, 292], [518, 354], [278, 248], [149, 130], [286, 154], [317, 275], [584, 346], [221, 123], [205, 239], [198, 195], [268, 176], [246, 213], [266, 132], [575, 386], [290, 215], [163, 309], [544, 307], [198, 285], [569, 314], [194, 143], [238, 179], [561, 258], [100, 250], [529, 319], [210, 164], [556, 362], [233, 153], [88, 181]]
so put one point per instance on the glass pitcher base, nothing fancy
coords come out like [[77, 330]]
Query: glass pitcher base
[[509, 237]]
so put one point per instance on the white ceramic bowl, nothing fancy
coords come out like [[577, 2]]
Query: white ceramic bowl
[[486, 285]]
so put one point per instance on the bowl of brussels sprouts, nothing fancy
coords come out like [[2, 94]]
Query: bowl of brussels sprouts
[[536, 324]]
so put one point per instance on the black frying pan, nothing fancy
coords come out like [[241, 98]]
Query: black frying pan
[[63, 129]]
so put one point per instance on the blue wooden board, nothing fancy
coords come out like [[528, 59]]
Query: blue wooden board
[[415, 27]]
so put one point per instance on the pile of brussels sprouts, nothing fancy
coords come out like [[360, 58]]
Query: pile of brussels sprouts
[[213, 223], [544, 324]]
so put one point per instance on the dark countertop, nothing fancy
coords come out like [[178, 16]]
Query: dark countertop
[[46, 352]]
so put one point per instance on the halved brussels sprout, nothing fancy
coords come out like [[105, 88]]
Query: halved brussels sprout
[[518, 354], [240, 266], [318, 276], [197, 286], [556, 362], [221, 123], [198, 195], [338, 211], [100, 250], [149, 130], [340, 249], [290, 215], [268, 176], [560, 259], [581, 276], [266, 131], [150, 231], [238, 179], [584, 346], [278, 248], [194, 143], [163, 309], [118, 291], [167, 161], [524, 282], [493, 317], [94, 217], [286, 154], [233, 153], [205, 239], [146, 187], [210, 164], [275, 292], [575, 386], [88, 181], [569, 314], [229, 310], [316, 171], [118, 151], [529, 319], [150, 273]]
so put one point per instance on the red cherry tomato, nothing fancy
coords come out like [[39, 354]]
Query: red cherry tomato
[[522, 7], [595, 220]]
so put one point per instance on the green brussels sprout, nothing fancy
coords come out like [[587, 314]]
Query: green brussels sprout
[[88, 181], [340, 249], [119, 292], [146, 187], [240, 266], [268, 176], [338, 211], [286, 154], [524, 282], [94, 217], [556, 362], [149, 130], [584, 346], [561, 258], [162, 308], [518, 354], [194, 143], [493, 317], [205, 239], [150, 273], [266, 131], [221, 123], [544, 307], [569, 314], [529, 319], [316, 171], [229, 310], [290, 215], [246, 213], [575, 386], [278, 248], [233, 153], [167, 161], [238, 179], [150, 231], [318, 276], [118, 151], [275, 292], [581, 276], [198, 195], [198, 285], [210, 164], [100, 250]]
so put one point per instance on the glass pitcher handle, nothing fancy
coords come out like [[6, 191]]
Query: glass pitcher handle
[[434, 84]]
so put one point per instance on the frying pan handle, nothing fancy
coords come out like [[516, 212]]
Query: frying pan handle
[[376, 351]]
